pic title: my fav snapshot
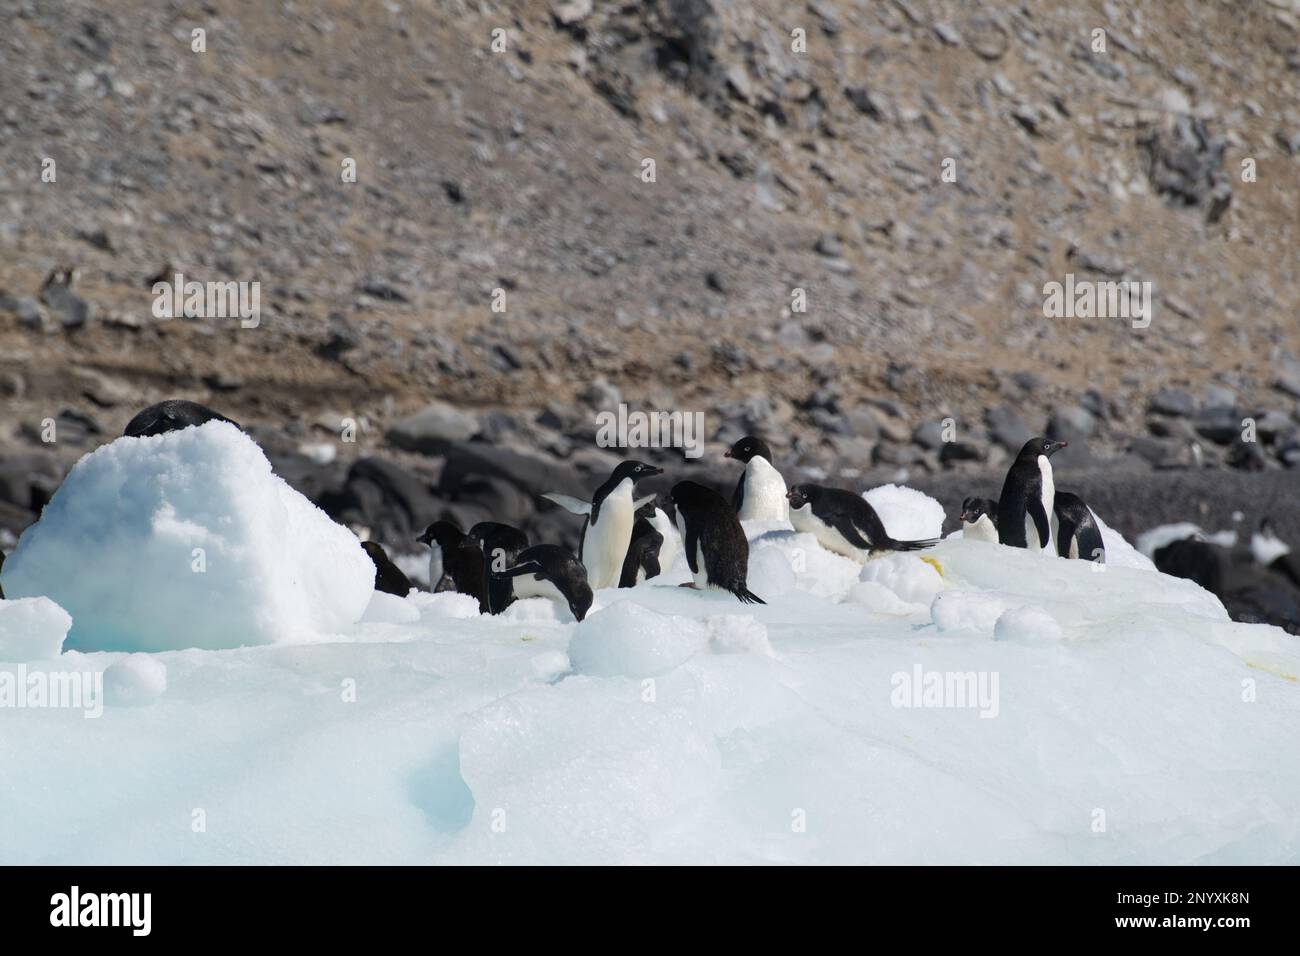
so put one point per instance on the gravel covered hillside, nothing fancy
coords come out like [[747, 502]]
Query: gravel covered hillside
[[799, 157]]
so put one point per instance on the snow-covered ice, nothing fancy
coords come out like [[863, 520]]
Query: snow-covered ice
[[187, 539], [32, 629], [1133, 723]]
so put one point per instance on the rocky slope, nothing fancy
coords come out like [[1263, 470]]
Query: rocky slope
[[518, 176]]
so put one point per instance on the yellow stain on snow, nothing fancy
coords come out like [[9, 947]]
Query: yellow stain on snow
[[528, 637], [1272, 670], [933, 562]]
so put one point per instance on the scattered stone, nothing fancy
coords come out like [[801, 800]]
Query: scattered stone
[[382, 289], [1174, 402], [433, 429], [1007, 428]]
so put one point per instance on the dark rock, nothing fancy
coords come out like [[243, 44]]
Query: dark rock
[[72, 311], [1246, 456], [343, 337], [1173, 401], [382, 289], [929, 435], [1185, 164], [1007, 428], [959, 451], [862, 101], [829, 245], [715, 282], [395, 503], [433, 429], [1219, 425]]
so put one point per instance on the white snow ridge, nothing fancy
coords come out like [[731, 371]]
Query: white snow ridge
[[966, 704]]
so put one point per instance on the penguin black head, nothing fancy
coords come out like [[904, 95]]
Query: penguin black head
[[636, 470], [1041, 446], [800, 495], [688, 496], [579, 596], [444, 532], [972, 509], [747, 448]]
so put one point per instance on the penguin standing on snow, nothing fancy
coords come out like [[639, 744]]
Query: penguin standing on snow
[[610, 518], [979, 520], [455, 562], [642, 561], [715, 543], [1270, 551], [388, 576], [760, 493], [549, 571], [844, 522], [1077, 533], [500, 545], [1025, 507]]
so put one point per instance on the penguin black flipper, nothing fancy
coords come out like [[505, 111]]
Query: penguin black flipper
[[642, 553], [857, 528], [527, 567], [691, 542], [1012, 510], [738, 496], [1034, 506], [2, 564]]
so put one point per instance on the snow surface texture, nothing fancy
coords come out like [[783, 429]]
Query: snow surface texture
[[32, 629], [187, 539], [1114, 715]]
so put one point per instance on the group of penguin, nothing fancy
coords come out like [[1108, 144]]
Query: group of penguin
[[626, 540]]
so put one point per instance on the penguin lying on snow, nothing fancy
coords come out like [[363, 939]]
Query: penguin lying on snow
[[455, 562], [1274, 553], [1077, 534], [172, 415], [1025, 507], [844, 522], [760, 493], [717, 550], [549, 571], [610, 517], [979, 520], [388, 576]]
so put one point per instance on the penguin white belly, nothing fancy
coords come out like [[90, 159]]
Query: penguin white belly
[[604, 546], [803, 519], [530, 585], [435, 565], [764, 498], [1049, 508], [671, 543], [979, 530]]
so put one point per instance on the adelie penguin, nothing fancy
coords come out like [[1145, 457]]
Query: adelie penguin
[[642, 561], [456, 562], [1272, 552], [979, 520], [844, 522], [760, 493], [388, 576], [717, 550], [610, 518], [1026, 505], [172, 415], [500, 545], [549, 571], [1077, 532]]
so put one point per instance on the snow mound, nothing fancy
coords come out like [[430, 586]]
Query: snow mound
[[135, 679], [32, 629], [187, 539], [908, 514], [970, 704]]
